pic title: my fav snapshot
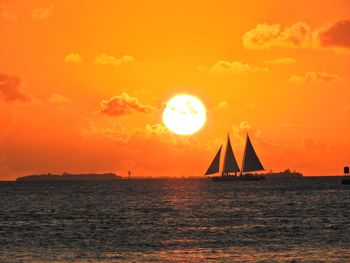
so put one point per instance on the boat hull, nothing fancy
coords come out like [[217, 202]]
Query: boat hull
[[238, 178]]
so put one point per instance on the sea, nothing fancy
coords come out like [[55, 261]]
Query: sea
[[176, 220]]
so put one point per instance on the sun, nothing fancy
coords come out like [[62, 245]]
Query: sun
[[184, 114]]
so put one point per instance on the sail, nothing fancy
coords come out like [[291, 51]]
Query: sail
[[230, 163], [251, 162], [214, 166]]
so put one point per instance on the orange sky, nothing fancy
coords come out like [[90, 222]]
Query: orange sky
[[83, 84]]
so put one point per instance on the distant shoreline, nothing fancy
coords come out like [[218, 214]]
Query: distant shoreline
[[123, 178], [69, 177]]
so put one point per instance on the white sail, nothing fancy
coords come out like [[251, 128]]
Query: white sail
[[214, 166], [251, 162], [230, 163]]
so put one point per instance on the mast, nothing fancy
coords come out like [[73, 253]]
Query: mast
[[214, 166], [230, 163], [251, 162]]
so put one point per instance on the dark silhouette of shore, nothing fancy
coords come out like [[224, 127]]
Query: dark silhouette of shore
[[70, 177], [285, 174]]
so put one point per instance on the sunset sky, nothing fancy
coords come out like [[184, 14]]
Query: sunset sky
[[83, 84]]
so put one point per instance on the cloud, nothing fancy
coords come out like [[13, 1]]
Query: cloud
[[42, 13], [240, 131], [6, 14], [265, 36], [298, 35], [10, 89], [104, 59], [234, 67], [281, 61], [58, 99], [162, 133], [124, 104], [335, 35], [315, 77], [156, 132], [222, 105], [123, 134], [242, 127], [156, 129], [117, 133], [73, 58]]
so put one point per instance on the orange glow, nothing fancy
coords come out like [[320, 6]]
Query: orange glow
[[83, 85]]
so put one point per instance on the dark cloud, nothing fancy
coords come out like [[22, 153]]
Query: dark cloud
[[336, 34], [10, 89], [298, 35]]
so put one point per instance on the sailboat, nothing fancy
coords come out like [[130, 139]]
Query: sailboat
[[230, 169]]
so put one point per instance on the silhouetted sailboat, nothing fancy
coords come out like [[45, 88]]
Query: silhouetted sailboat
[[251, 163]]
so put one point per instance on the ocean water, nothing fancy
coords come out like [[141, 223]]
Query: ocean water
[[185, 220]]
